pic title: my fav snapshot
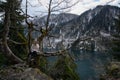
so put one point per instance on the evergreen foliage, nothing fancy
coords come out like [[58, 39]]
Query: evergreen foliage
[[3, 60], [16, 29], [64, 68], [43, 64]]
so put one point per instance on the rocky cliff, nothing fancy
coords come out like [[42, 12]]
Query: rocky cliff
[[92, 30]]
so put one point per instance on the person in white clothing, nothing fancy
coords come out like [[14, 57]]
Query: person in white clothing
[[35, 47], [34, 53]]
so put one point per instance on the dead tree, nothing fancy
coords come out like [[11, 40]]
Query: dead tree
[[54, 6]]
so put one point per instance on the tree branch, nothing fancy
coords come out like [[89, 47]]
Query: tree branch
[[57, 4], [61, 52], [5, 48], [49, 13], [47, 54], [64, 8], [17, 42]]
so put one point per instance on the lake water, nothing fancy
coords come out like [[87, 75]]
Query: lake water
[[90, 64]]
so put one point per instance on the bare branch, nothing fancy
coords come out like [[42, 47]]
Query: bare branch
[[42, 4], [60, 52], [49, 13], [26, 12], [31, 4], [57, 4], [65, 8], [47, 54], [109, 2], [17, 42], [27, 16]]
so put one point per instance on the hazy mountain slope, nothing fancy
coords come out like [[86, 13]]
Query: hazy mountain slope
[[98, 25]]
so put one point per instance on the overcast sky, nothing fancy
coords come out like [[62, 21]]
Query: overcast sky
[[79, 8]]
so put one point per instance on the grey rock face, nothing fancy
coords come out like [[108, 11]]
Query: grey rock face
[[22, 72], [94, 28]]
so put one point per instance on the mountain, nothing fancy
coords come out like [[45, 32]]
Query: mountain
[[55, 19], [92, 30], [98, 24]]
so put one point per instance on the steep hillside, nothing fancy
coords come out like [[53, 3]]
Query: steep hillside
[[98, 24], [91, 30]]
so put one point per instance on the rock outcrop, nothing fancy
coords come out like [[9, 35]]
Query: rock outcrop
[[22, 72]]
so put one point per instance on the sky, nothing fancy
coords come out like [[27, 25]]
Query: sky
[[35, 7]]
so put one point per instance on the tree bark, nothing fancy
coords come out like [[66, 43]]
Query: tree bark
[[5, 48]]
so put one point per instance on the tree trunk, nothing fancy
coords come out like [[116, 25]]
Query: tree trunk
[[5, 48]]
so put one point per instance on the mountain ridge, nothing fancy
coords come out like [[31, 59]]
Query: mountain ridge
[[97, 23]]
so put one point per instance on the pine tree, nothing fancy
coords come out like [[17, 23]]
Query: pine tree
[[16, 32], [64, 68], [10, 31]]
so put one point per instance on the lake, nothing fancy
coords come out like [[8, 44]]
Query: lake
[[90, 64]]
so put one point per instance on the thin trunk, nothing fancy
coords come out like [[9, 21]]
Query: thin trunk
[[40, 39], [48, 17], [29, 38], [30, 27]]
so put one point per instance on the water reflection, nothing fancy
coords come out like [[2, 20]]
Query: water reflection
[[90, 64]]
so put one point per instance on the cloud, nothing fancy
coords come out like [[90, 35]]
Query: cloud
[[88, 4], [116, 2], [79, 8]]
